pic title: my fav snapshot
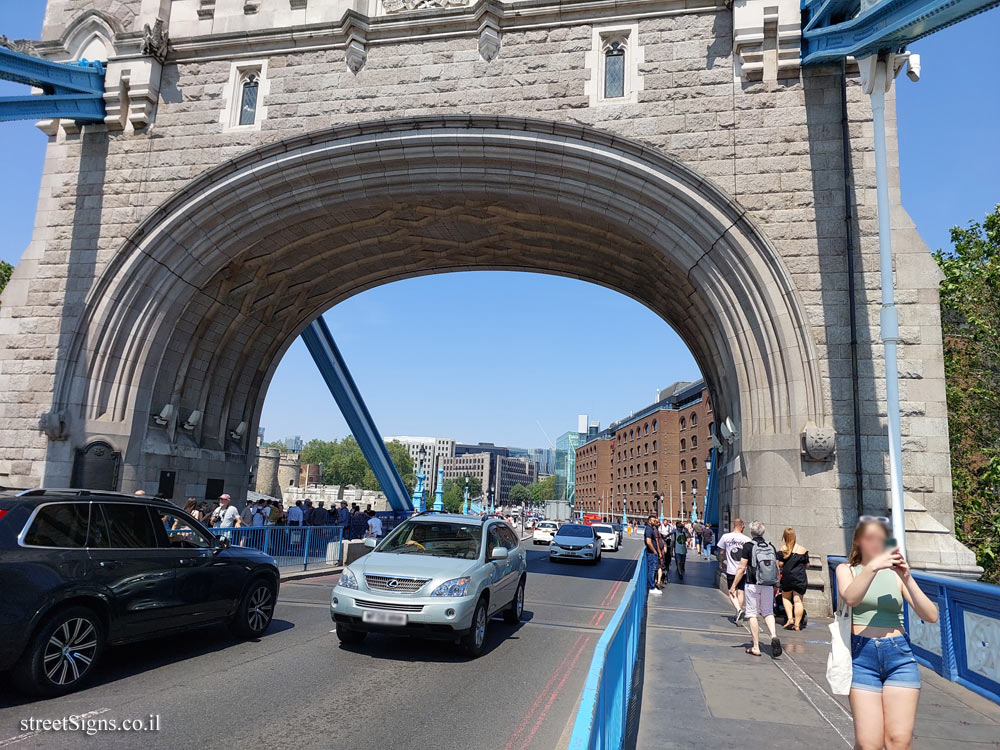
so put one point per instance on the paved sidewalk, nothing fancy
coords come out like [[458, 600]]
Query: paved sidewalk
[[700, 690]]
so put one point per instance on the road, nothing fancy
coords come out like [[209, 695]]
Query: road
[[298, 687]]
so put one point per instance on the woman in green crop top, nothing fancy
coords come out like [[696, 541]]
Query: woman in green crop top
[[885, 686]]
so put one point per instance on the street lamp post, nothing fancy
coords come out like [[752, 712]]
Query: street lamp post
[[465, 506], [439, 490]]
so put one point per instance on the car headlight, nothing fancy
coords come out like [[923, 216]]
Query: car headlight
[[454, 587], [590, 546], [347, 580]]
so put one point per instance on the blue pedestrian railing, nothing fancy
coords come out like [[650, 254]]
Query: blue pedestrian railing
[[602, 718], [290, 546], [964, 644]]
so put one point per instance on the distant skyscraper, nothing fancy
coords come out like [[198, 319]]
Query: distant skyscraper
[[427, 454], [294, 443], [565, 456]]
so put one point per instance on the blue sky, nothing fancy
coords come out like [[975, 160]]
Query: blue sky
[[504, 356]]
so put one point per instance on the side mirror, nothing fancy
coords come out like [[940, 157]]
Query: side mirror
[[370, 542], [499, 553], [221, 543]]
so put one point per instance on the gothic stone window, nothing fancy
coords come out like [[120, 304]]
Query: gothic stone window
[[614, 69], [249, 90], [245, 97]]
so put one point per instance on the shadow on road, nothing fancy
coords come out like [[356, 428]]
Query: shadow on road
[[128, 660], [415, 649], [614, 566]]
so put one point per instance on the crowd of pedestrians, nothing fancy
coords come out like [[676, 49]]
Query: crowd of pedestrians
[[355, 522], [883, 679]]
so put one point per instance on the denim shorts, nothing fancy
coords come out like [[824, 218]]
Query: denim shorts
[[883, 661]]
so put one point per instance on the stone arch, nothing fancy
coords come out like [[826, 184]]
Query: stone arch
[[200, 303], [91, 36]]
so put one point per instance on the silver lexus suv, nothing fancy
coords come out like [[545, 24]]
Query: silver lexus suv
[[436, 575]]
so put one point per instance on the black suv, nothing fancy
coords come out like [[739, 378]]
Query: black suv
[[81, 569]]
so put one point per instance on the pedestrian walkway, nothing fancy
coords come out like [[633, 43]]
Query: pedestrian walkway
[[701, 690]]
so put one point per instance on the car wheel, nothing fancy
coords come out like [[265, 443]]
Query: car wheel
[[61, 656], [256, 609], [348, 635], [512, 615], [473, 641]]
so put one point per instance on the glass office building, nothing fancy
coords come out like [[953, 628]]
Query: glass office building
[[565, 468]]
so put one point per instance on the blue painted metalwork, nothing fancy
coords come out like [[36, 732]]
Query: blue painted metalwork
[[439, 491], [601, 718], [72, 90], [711, 509], [290, 546], [834, 29], [465, 505], [963, 644], [418, 493], [345, 392]]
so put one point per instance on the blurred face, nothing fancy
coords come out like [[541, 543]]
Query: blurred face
[[872, 540]]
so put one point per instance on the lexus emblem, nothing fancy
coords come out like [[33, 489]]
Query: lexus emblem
[[393, 584]]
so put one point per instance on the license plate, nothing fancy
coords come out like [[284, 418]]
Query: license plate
[[384, 618]]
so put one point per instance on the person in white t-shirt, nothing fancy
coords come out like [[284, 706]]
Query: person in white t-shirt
[[226, 516], [374, 525], [731, 546]]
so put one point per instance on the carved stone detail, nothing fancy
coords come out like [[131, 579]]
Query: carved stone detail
[[818, 443], [356, 53], [24, 46], [155, 41], [489, 39], [206, 9], [399, 6], [53, 424], [767, 38], [250, 7], [297, 4]]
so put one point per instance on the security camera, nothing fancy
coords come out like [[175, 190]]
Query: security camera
[[913, 67], [164, 416], [728, 430], [194, 418]]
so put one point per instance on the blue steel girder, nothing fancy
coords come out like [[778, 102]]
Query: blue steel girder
[[834, 29], [82, 77], [74, 90], [79, 107], [333, 368]]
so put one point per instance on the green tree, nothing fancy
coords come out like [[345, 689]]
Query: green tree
[[6, 269], [543, 490], [519, 494], [970, 317], [344, 464]]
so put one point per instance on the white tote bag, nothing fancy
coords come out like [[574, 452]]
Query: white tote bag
[[839, 668]]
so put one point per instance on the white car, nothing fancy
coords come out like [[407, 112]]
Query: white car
[[575, 541], [610, 539], [544, 532]]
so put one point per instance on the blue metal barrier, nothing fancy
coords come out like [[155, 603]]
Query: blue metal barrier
[[964, 644], [290, 546], [601, 720]]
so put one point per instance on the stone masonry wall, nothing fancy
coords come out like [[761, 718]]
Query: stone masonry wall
[[775, 146]]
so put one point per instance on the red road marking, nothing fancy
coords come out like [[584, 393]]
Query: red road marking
[[534, 706], [555, 693]]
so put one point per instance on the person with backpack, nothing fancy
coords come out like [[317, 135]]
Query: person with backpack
[[680, 549], [759, 565]]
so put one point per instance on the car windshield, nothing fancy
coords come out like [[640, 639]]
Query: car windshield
[[603, 529], [546, 525], [575, 529], [437, 539]]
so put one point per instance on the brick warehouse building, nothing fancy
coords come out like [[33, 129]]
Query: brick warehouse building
[[663, 449]]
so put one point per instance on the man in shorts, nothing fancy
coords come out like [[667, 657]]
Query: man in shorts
[[760, 559], [731, 546]]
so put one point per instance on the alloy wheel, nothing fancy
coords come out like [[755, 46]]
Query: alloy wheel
[[70, 651], [480, 626], [259, 608]]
